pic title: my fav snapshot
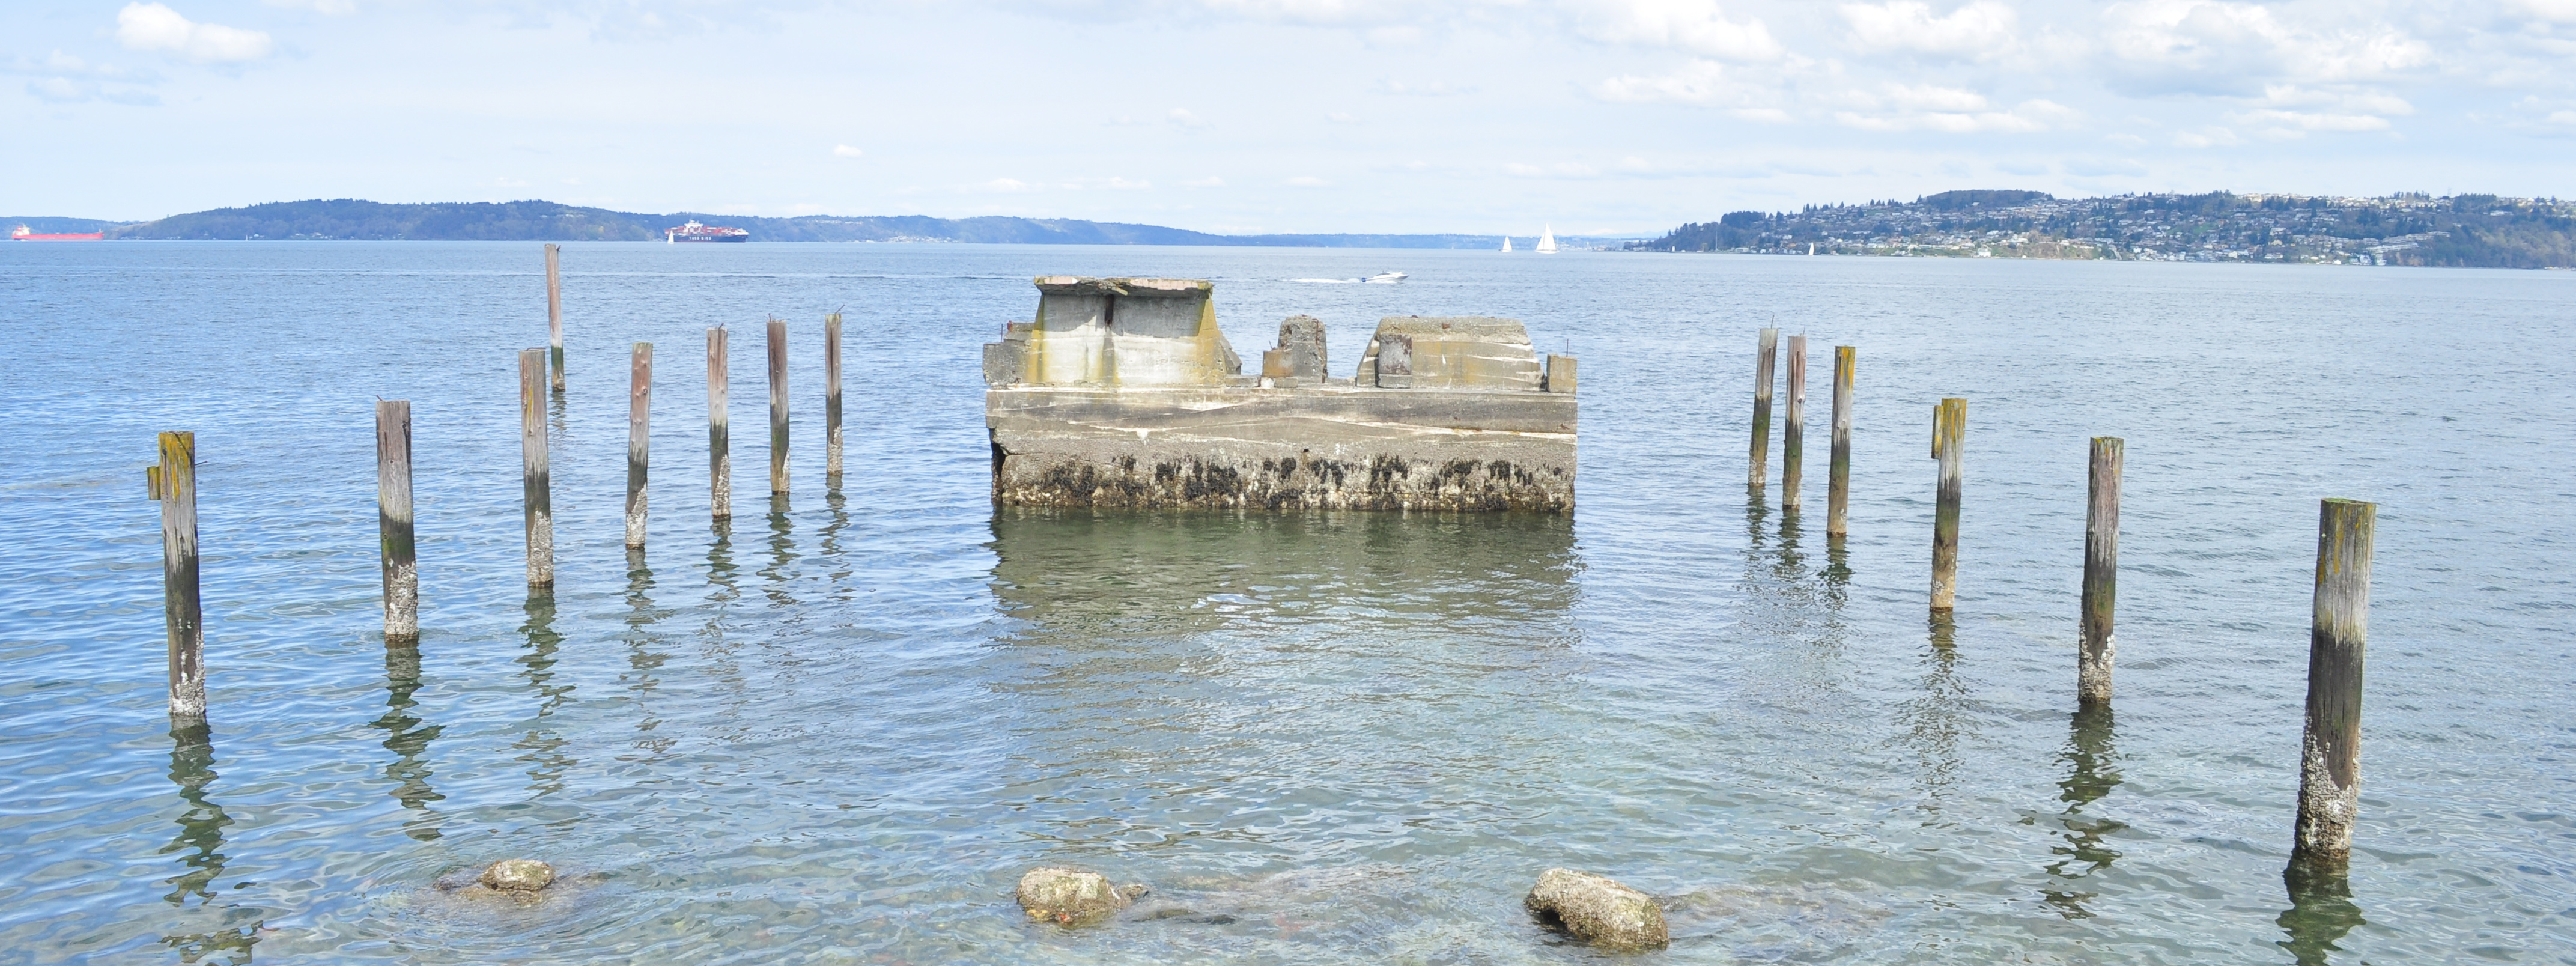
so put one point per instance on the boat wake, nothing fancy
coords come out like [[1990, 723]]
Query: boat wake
[[1381, 278]]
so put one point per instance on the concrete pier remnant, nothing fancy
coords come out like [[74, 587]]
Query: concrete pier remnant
[[1124, 393]]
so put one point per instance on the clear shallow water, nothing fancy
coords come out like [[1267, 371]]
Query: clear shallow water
[[838, 731]]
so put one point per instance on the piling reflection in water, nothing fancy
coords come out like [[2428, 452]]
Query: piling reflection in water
[[782, 552], [542, 747], [408, 737], [643, 658], [2321, 911], [202, 822], [830, 540], [2092, 771], [1943, 716]]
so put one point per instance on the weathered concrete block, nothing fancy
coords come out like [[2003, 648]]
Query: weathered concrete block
[[1303, 337], [1481, 436], [1394, 361], [1069, 897], [1126, 332], [1560, 374], [1598, 910], [1459, 352]]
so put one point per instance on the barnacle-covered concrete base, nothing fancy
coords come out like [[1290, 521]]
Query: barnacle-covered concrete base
[[1443, 414]]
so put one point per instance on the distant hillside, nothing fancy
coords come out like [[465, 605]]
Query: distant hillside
[[2467, 231], [48, 225], [549, 221]]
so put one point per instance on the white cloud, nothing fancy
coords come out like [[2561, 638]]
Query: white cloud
[[155, 27], [1181, 117], [2026, 117], [1305, 181], [1692, 26], [333, 7], [1122, 184], [1210, 181], [1341, 117], [2291, 124], [846, 151], [2550, 11], [1418, 89], [2209, 46], [1006, 186], [2208, 137], [1983, 28], [1698, 82]]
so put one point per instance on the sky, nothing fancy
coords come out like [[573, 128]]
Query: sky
[[1246, 116]]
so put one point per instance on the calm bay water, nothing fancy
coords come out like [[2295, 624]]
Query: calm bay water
[[839, 729]]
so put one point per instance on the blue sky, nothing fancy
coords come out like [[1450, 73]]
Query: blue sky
[[1624, 116]]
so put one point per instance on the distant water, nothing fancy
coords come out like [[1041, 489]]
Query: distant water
[[838, 731]]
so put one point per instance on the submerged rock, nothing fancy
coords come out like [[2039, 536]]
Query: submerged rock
[[518, 875], [1598, 910], [1070, 897]]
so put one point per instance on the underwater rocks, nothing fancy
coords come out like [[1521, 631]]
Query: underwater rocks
[[1598, 910], [1072, 897], [517, 875]]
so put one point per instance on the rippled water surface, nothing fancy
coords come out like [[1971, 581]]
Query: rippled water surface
[[837, 730]]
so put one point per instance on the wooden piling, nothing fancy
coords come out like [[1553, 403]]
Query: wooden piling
[[174, 483], [639, 439], [394, 522], [2330, 752], [719, 442], [832, 396], [554, 310], [1838, 481], [1756, 468], [536, 489], [1949, 433], [1794, 436], [2095, 648], [777, 406]]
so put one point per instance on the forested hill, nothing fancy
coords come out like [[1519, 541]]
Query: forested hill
[[549, 221], [2404, 229]]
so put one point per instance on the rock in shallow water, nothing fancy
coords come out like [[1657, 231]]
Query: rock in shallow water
[[1598, 910], [519, 875], [1069, 897]]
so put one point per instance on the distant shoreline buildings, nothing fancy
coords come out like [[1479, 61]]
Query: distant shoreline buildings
[[2471, 230]]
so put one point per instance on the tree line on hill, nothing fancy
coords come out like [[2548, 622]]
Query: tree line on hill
[[2469, 230], [351, 219]]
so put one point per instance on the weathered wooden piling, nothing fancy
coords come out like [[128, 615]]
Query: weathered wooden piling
[[832, 396], [719, 441], [777, 406], [174, 484], [1794, 436], [394, 521], [1838, 478], [554, 310], [1949, 432], [1756, 468], [536, 489], [639, 439], [2330, 752], [2095, 648]]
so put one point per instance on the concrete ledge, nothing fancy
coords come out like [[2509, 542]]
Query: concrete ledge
[[1321, 447]]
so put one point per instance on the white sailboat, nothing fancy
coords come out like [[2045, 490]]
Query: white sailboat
[[1546, 241], [1507, 243]]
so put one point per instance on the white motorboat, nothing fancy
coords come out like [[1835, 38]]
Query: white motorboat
[[1388, 278]]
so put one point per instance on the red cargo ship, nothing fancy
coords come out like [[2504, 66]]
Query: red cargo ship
[[24, 234], [694, 232]]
